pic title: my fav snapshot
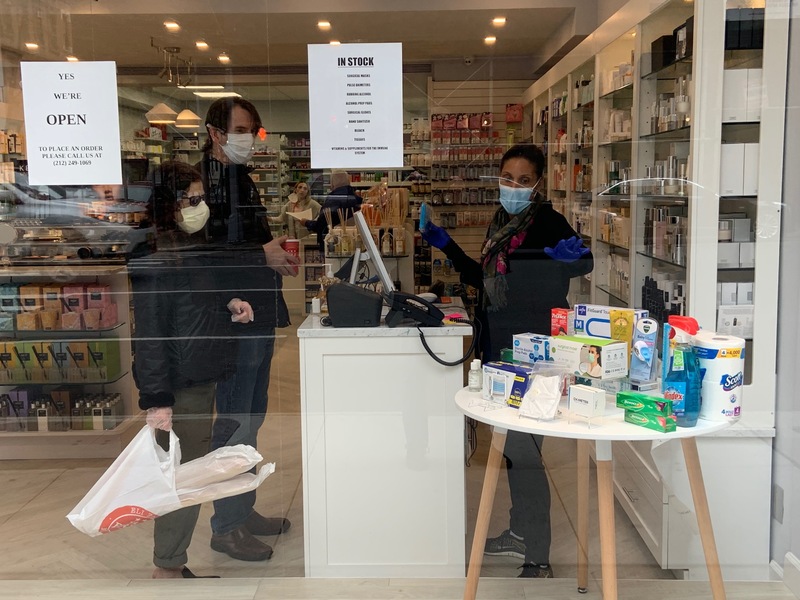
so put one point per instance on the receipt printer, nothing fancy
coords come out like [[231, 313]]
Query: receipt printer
[[353, 306]]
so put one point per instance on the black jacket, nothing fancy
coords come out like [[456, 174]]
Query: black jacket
[[182, 325], [536, 282], [236, 231]]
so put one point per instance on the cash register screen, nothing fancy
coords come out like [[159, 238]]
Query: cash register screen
[[372, 251]]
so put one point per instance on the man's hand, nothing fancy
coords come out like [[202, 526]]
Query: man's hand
[[241, 311], [280, 260], [160, 417]]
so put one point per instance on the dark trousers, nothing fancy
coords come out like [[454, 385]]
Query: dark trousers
[[191, 421], [530, 494]]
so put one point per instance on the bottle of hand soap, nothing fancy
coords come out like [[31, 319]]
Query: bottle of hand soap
[[475, 377], [682, 383]]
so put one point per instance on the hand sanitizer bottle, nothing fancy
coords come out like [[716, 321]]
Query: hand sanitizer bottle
[[475, 377]]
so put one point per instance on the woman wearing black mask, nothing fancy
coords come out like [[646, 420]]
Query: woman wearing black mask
[[529, 256]]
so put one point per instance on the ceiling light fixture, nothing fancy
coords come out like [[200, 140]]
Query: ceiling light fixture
[[202, 87], [489, 40], [161, 114], [172, 26], [217, 95], [224, 58], [201, 45], [186, 119], [72, 58], [499, 21], [335, 43], [324, 25], [32, 46]]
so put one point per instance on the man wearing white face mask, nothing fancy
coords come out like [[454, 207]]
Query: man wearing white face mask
[[237, 228], [529, 256]]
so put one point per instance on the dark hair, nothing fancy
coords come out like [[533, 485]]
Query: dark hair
[[529, 152], [219, 115], [174, 177], [599, 353]]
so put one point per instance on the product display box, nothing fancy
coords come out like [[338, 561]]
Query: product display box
[[9, 297], [531, 347], [586, 401], [662, 51], [736, 320], [594, 320], [655, 422], [506, 382], [644, 403], [30, 297], [562, 321], [596, 358]]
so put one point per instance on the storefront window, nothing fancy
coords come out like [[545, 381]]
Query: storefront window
[[230, 220]]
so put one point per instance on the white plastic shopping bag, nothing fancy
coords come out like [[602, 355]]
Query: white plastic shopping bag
[[146, 482], [138, 486]]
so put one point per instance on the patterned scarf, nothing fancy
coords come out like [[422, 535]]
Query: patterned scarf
[[506, 233]]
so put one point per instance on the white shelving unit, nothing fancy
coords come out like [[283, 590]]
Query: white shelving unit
[[629, 248]]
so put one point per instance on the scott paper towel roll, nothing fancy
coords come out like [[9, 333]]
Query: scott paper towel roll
[[722, 357]]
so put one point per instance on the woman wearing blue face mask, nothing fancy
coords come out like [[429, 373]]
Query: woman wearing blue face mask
[[526, 262]]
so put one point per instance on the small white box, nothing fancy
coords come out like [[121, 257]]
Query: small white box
[[744, 293], [728, 255], [734, 95], [751, 164], [735, 320], [741, 230], [586, 401], [747, 255], [728, 297], [731, 172], [754, 92]]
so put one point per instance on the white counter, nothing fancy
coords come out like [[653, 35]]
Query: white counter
[[383, 452]]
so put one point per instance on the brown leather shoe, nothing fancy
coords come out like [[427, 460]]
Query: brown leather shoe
[[241, 545], [260, 525]]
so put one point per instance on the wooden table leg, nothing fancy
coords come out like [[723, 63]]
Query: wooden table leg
[[605, 502], [583, 515], [484, 511], [692, 458]]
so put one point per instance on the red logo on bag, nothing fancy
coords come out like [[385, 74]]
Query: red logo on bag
[[124, 516]]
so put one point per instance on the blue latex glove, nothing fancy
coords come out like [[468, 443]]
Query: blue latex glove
[[567, 250], [435, 235]]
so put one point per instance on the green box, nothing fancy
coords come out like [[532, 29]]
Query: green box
[[644, 403], [656, 422], [104, 363]]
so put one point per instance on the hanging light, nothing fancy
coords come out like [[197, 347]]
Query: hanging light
[[186, 119], [161, 114]]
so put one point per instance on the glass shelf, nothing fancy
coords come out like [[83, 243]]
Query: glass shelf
[[672, 70], [623, 93], [615, 142], [674, 135], [75, 335], [665, 261], [615, 294], [613, 245], [584, 108]]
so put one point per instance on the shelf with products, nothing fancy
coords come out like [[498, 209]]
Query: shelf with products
[[48, 376]]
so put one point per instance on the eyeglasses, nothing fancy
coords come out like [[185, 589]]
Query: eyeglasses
[[191, 200]]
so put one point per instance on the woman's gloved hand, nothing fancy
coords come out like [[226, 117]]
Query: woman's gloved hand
[[160, 417], [435, 235], [568, 250]]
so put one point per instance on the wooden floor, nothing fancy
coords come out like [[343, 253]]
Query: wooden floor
[[43, 556]]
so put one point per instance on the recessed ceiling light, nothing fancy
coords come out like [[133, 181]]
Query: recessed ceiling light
[[202, 87], [71, 58], [335, 43], [217, 95], [32, 46], [224, 58], [324, 25], [201, 45], [499, 21], [489, 40], [172, 26]]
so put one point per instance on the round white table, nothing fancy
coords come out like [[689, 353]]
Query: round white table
[[603, 430]]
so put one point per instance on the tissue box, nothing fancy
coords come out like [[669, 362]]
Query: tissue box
[[506, 381], [562, 321], [27, 321], [30, 297], [643, 403], [98, 296], [71, 320], [593, 320], [574, 354], [586, 401], [74, 298], [531, 347], [656, 422], [51, 297]]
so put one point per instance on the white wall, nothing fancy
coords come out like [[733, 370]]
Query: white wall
[[786, 450]]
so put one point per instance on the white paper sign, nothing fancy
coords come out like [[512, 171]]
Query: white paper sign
[[356, 105], [71, 123]]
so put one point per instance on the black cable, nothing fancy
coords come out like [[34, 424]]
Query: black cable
[[476, 328]]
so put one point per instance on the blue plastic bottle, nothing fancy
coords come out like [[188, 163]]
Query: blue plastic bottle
[[682, 384]]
